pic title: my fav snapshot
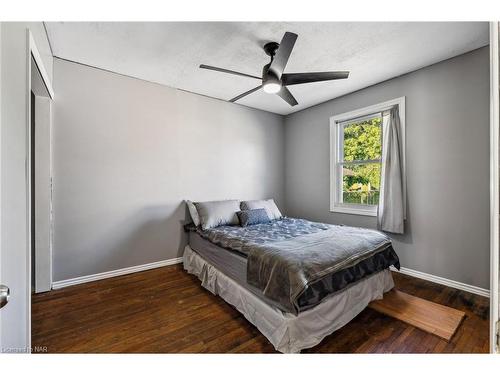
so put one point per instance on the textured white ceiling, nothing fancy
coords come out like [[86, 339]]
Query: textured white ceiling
[[170, 53]]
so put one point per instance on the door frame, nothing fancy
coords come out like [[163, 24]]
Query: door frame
[[32, 52], [494, 183]]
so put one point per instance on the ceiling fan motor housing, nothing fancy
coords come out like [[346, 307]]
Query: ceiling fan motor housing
[[271, 48]]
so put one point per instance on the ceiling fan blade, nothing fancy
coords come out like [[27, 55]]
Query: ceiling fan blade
[[287, 96], [298, 78], [245, 94], [203, 66], [283, 54]]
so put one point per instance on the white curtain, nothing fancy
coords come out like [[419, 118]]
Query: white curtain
[[390, 215]]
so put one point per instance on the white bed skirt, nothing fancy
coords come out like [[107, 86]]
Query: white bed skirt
[[289, 333]]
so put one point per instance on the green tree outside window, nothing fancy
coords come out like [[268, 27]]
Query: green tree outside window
[[362, 151]]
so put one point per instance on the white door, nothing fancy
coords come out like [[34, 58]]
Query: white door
[[14, 261], [17, 48], [494, 186]]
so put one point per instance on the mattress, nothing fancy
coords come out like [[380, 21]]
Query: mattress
[[231, 263]]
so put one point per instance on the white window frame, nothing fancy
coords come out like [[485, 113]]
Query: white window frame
[[336, 123]]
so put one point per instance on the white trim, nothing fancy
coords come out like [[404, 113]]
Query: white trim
[[29, 40], [122, 271], [39, 64], [443, 281], [347, 117], [354, 210], [31, 52], [494, 183], [380, 107]]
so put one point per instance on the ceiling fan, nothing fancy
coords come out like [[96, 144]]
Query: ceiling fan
[[274, 80]]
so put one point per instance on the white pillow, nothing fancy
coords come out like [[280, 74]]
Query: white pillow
[[268, 204], [215, 213], [193, 212]]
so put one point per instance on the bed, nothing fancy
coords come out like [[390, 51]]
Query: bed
[[296, 280]]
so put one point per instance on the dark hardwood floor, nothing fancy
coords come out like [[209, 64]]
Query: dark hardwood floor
[[167, 311]]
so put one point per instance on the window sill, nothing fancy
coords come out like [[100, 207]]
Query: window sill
[[354, 211]]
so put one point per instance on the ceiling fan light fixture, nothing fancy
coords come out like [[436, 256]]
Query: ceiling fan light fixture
[[271, 87]]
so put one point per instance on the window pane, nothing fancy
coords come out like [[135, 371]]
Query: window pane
[[361, 183], [362, 140]]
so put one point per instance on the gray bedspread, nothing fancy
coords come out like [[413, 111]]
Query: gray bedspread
[[242, 239], [297, 263], [282, 270]]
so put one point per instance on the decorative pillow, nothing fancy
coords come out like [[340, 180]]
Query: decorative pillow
[[193, 212], [268, 204], [252, 217], [215, 213]]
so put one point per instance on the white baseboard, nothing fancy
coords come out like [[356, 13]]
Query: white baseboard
[[162, 263], [443, 281], [106, 275]]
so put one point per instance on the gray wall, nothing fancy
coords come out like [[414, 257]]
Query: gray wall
[[447, 152], [127, 152]]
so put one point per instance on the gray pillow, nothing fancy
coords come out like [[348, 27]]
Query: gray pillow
[[215, 213], [252, 217], [268, 204], [193, 212]]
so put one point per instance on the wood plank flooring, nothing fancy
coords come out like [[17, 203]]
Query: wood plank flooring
[[440, 320], [167, 311]]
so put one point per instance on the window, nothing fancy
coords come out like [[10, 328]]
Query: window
[[356, 158]]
